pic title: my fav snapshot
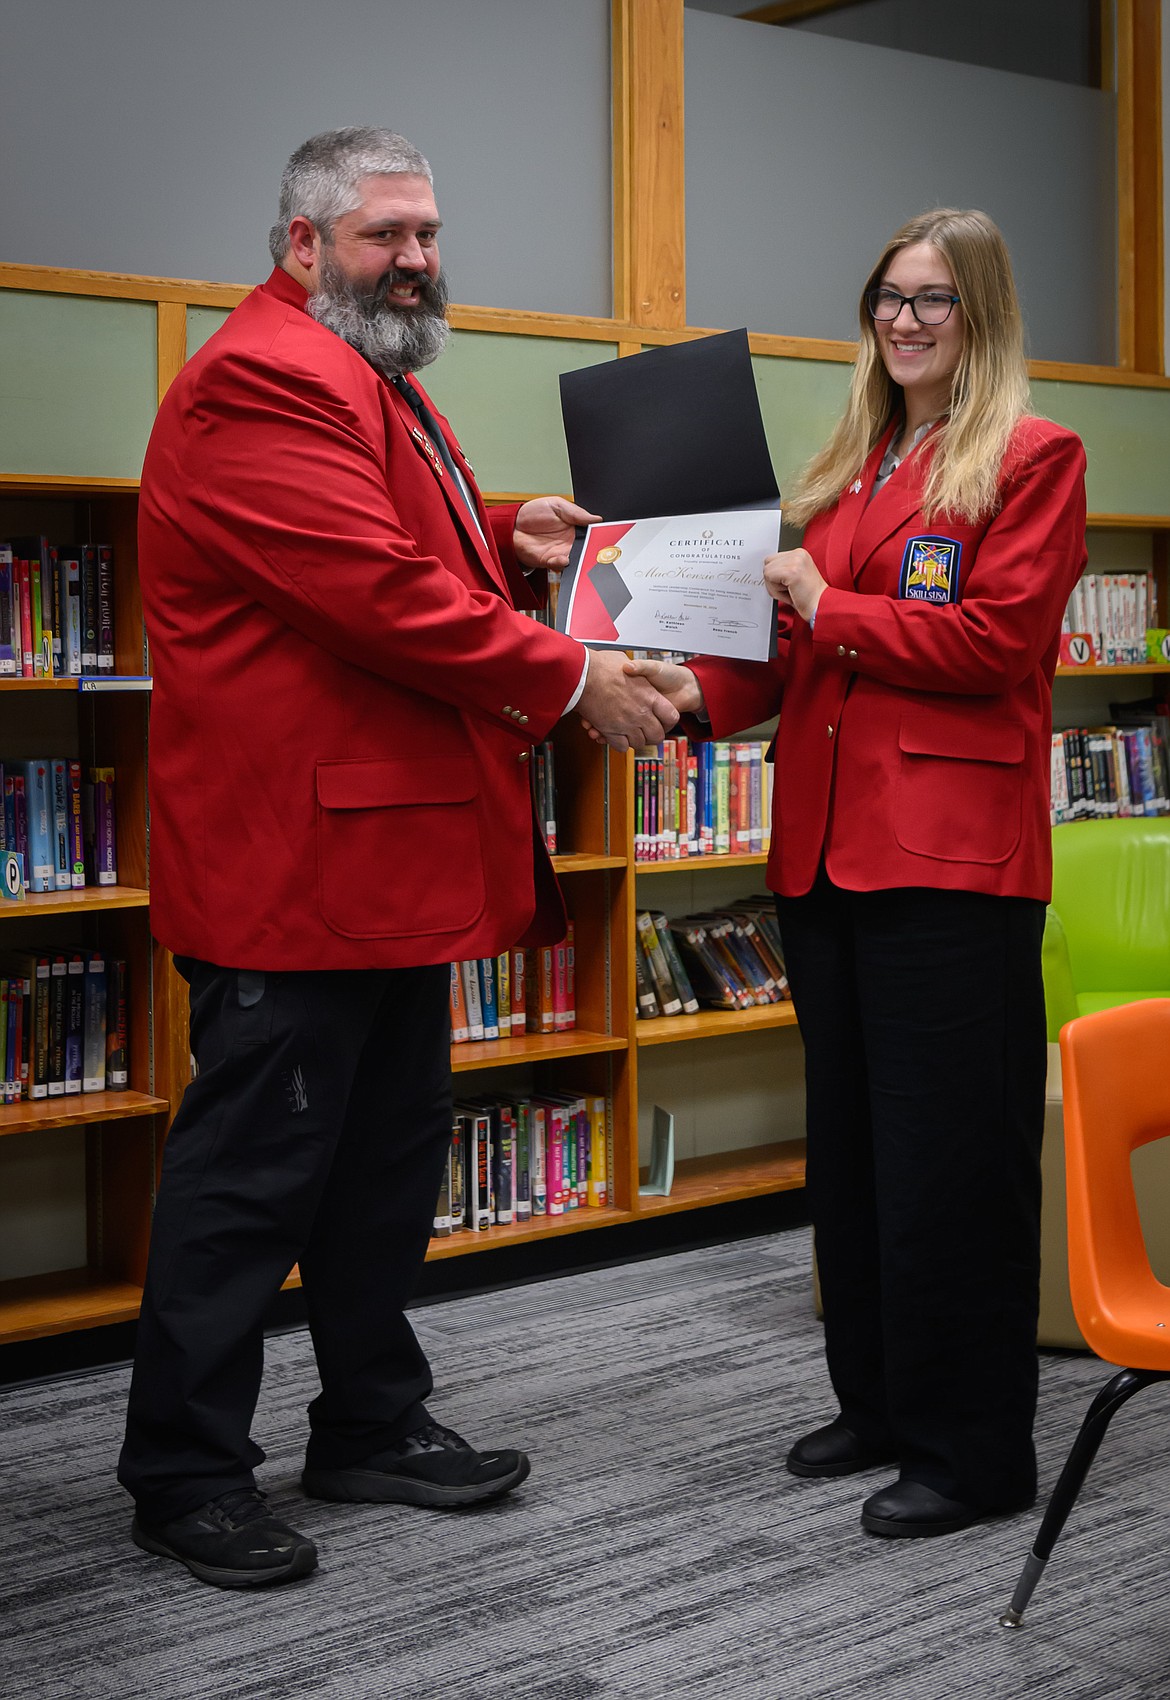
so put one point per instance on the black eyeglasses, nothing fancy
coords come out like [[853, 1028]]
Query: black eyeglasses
[[931, 307]]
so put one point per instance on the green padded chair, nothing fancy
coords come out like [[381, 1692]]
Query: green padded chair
[[1107, 941]]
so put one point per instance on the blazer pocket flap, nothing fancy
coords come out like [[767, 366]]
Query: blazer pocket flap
[[396, 784], [963, 739]]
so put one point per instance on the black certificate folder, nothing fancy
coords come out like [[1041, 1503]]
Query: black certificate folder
[[674, 430]]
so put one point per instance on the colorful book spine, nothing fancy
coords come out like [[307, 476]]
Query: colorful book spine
[[76, 826], [38, 792], [105, 607], [103, 841], [471, 1000], [9, 638], [598, 1178], [74, 1021], [538, 1157], [117, 1026], [93, 1045], [486, 970], [62, 873], [518, 984], [459, 1033]]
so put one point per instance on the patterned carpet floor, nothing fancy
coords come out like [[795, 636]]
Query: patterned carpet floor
[[658, 1550]]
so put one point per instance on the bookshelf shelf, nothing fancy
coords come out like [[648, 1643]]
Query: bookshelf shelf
[[89, 685], [532, 1047], [697, 864], [1116, 670], [60, 484], [85, 898], [727, 1175], [523, 1233], [68, 1299], [582, 862], [713, 1024], [78, 1109]]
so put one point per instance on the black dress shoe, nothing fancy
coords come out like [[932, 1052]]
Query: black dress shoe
[[432, 1466], [907, 1510], [233, 1541], [834, 1451]]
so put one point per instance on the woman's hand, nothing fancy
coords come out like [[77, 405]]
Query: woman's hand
[[677, 684], [794, 579]]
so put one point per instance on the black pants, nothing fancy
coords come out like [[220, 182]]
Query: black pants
[[315, 1132], [922, 1015]]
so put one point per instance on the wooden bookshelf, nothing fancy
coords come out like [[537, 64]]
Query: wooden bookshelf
[[724, 1176], [713, 1024], [79, 1109], [100, 720], [532, 1048]]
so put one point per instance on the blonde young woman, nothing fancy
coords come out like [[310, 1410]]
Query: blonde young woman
[[911, 860]]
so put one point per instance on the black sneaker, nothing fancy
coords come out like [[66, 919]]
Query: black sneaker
[[432, 1466], [233, 1541]]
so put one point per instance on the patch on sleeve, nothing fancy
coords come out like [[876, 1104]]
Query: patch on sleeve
[[930, 570]]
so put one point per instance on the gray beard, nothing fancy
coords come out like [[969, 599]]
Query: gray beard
[[393, 339]]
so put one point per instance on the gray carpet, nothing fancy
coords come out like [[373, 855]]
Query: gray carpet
[[659, 1548]]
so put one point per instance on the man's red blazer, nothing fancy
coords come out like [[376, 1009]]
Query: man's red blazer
[[338, 772]]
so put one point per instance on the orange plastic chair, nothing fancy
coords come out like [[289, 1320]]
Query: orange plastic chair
[[1116, 1067]]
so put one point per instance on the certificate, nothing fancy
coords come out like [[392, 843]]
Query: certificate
[[694, 583]]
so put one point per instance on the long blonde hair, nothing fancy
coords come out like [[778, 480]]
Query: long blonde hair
[[989, 391]]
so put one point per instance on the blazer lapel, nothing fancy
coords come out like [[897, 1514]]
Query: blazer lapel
[[851, 517], [454, 498], [891, 509]]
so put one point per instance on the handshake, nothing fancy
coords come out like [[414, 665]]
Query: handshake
[[627, 703]]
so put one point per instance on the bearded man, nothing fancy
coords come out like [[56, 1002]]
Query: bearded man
[[344, 698]]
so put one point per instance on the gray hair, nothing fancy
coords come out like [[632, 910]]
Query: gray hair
[[321, 181]]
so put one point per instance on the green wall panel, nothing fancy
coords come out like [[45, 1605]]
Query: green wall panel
[[501, 394], [203, 322], [800, 401], [78, 384], [1126, 433]]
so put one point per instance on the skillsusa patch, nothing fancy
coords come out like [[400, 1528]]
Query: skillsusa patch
[[930, 570]]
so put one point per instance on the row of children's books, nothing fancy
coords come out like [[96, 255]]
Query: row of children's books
[[533, 990], [1115, 611], [513, 1158], [729, 958], [1104, 771], [56, 609], [701, 799], [60, 822], [63, 1023]]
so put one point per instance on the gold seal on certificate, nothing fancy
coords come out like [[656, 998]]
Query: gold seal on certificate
[[691, 582]]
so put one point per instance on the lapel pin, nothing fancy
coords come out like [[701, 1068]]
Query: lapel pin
[[855, 487]]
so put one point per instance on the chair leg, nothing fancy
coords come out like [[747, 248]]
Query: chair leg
[[1100, 1414]]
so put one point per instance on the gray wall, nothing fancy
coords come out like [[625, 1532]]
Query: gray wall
[[804, 154], [148, 136]]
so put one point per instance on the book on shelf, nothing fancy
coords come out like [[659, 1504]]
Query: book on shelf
[[517, 1156], [729, 958], [56, 608], [43, 820], [501, 997], [667, 996], [544, 792], [648, 1005], [709, 799], [1114, 611], [117, 1025], [1114, 770], [100, 826]]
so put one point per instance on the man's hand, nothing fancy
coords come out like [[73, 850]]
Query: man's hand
[[543, 533], [794, 579], [620, 708]]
